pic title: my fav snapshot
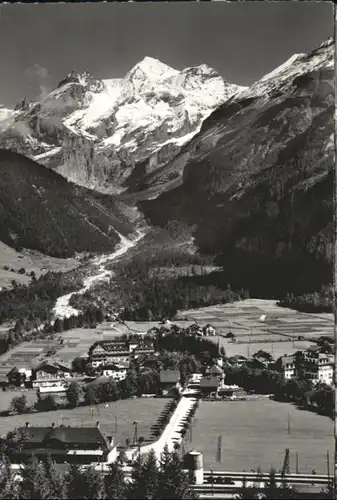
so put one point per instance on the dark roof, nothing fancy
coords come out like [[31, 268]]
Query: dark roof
[[209, 382], [237, 357], [314, 348], [216, 370], [71, 435], [287, 359], [169, 376], [13, 371], [110, 345], [52, 367]]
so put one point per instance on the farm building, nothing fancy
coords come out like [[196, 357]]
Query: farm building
[[169, 379], [80, 445]]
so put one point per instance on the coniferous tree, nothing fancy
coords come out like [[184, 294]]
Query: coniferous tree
[[74, 482], [115, 482], [94, 485], [56, 483], [150, 476], [8, 486], [173, 481], [34, 484], [136, 484]]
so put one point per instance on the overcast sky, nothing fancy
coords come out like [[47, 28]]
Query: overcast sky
[[41, 43]]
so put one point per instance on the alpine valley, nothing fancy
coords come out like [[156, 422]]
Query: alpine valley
[[248, 171]]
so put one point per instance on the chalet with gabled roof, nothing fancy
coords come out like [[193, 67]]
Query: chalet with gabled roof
[[50, 375]]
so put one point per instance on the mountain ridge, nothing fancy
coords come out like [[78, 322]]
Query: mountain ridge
[[249, 179], [83, 130], [34, 215]]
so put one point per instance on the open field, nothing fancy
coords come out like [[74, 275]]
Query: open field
[[120, 414], [243, 319], [31, 261], [276, 349], [261, 439]]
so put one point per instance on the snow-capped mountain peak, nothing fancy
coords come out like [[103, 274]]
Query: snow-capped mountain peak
[[297, 65], [151, 68], [95, 132]]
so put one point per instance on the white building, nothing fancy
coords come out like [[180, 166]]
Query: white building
[[320, 373], [114, 371], [289, 368]]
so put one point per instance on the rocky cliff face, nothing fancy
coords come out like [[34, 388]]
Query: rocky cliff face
[[257, 179], [96, 133]]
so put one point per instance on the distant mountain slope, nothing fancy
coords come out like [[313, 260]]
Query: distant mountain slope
[[107, 134], [257, 180], [41, 210]]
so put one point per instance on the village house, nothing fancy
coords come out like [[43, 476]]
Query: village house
[[194, 329], [238, 360], [209, 386], [217, 372], [263, 357], [209, 331], [288, 367], [315, 355], [169, 379], [114, 371], [79, 445], [50, 375], [19, 377]]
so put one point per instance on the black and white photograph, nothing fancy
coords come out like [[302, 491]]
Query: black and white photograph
[[167, 251]]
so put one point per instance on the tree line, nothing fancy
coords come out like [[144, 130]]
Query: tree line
[[143, 291], [35, 301], [314, 302], [41, 480], [271, 381], [33, 328]]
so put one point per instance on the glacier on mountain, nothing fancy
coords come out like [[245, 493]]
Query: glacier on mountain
[[96, 132]]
